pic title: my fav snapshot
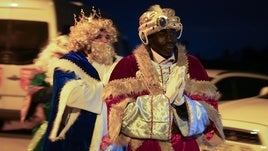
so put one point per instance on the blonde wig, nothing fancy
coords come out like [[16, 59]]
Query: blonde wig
[[86, 29]]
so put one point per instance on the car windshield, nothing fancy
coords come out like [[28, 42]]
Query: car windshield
[[21, 41], [237, 87]]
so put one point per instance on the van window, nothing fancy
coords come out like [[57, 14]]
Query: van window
[[21, 41]]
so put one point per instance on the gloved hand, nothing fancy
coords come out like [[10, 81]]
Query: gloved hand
[[176, 84]]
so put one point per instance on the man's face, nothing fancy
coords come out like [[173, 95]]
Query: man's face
[[102, 37], [102, 51], [164, 42]]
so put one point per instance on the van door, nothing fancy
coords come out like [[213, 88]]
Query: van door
[[25, 27]]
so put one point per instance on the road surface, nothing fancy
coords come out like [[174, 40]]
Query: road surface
[[14, 141]]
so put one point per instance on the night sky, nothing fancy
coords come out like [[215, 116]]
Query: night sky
[[211, 27]]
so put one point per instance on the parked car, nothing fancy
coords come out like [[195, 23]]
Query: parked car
[[25, 27], [237, 85], [245, 124]]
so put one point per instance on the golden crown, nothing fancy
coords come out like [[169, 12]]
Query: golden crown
[[85, 29], [94, 14]]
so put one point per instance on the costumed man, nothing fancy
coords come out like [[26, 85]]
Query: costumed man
[[160, 98], [35, 109], [78, 117]]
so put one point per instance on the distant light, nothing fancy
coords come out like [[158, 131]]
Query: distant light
[[254, 131], [76, 3], [14, 4]]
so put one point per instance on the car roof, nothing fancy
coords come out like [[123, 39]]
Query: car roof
[[253, 110], [217, 75], [213, 73]]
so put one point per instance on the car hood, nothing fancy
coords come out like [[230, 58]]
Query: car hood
[[253, 110]]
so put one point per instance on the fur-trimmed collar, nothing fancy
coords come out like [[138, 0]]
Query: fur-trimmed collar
[[145, 79]]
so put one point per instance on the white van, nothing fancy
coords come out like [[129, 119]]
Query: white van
[[25, 27]]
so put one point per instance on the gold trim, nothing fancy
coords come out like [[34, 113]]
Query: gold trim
[[148, 72], [115, 118], [182, 57], [215, 117], [146, 76], [202, 88], [122, 87]]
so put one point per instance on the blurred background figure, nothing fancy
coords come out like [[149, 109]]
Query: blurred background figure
[[35, 109]]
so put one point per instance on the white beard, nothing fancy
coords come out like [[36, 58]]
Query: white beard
[[102, 53]]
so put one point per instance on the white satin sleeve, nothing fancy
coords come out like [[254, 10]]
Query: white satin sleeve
[[197, 120], [84, 95]]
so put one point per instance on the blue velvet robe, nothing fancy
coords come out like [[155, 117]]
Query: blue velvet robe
[[79, 136]]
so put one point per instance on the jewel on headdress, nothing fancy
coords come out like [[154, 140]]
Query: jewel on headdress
[[156, 19]]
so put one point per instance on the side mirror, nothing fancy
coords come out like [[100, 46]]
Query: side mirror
[[263, 91]]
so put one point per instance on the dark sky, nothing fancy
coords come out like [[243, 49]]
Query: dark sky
[[210, 26]]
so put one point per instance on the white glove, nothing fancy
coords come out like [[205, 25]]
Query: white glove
[[176, 83]]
